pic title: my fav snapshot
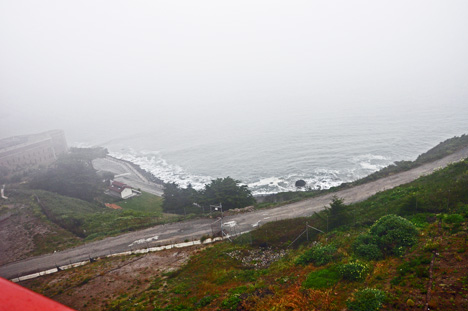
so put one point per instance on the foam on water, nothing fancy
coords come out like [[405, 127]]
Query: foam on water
[[370, 163], [316, 179], [153, 162], [322, 152]]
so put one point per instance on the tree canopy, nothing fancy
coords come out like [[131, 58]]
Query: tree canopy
[[71, 175], [178, 200], [226, 191]]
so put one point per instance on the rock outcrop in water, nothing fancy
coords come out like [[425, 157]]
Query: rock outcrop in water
[[300, 183]]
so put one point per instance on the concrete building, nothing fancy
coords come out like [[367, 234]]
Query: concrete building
[[27, 151]]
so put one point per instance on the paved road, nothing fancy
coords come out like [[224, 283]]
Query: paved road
[[194, 229], [127, 174]]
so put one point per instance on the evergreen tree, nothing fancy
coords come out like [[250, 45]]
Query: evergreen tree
[[178, 200], [228, 192], [337, 213], [70, 176]]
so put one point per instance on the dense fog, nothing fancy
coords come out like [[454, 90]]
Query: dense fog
[[107, 69]]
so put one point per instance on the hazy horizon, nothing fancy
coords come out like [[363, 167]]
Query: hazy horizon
[[112, 69]]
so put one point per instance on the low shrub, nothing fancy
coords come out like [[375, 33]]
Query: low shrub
[[462, 209], [353, 271], [454, 219], [366, 247], [418, 266], [319, 255], [231, 303], [206, 300], [324, 278], [394, 234], [368, 299], [431, 245]]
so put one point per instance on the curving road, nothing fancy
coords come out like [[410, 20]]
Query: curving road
[[194, 229]]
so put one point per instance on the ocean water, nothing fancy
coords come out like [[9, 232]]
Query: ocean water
[[269, 153]]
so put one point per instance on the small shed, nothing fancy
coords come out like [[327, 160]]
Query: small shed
[[121, 190]]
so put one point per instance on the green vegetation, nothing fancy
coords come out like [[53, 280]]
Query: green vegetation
[[390, 235], [179, 200], [337, 213], [225, 191], [266, 235], [368, 299], [443, 149], [319, 255], [393, 234], [322, 279], [145, 203], [69, 194], [366, 246], [426, 221], [353, 271], [88, 220], [72, 175], [326, 275]]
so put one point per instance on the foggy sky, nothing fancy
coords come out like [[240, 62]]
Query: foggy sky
[[79, 65]]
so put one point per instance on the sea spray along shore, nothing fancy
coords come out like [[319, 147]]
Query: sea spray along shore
[[319, 179], [362, 168]]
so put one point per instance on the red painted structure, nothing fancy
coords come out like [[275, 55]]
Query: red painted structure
[[17, 298]]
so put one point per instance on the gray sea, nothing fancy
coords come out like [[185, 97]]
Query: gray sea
[[270, 152]]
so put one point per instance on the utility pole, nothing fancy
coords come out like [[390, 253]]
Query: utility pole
[[220, 206]]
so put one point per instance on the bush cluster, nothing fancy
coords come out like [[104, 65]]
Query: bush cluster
[[368, 299], [319, 255], [390, 235], [366, 246], [453, 219], [353, 271]]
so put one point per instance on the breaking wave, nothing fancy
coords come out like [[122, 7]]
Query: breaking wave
[[315, 179]]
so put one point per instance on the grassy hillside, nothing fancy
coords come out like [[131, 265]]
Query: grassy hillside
[[69, 221], [355, 266], [237, 276], [23, 224]]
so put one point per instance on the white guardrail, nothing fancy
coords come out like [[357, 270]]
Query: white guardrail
[[133, 252]]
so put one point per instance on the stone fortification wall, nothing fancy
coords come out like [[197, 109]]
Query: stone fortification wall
[[59, 142], [21, 152]]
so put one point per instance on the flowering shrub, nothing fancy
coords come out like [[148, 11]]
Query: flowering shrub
[[368, 299], [353, 271]]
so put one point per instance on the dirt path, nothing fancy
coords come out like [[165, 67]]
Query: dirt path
[[194, 229]]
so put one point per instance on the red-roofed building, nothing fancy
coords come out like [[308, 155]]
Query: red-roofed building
[[120, 189]]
